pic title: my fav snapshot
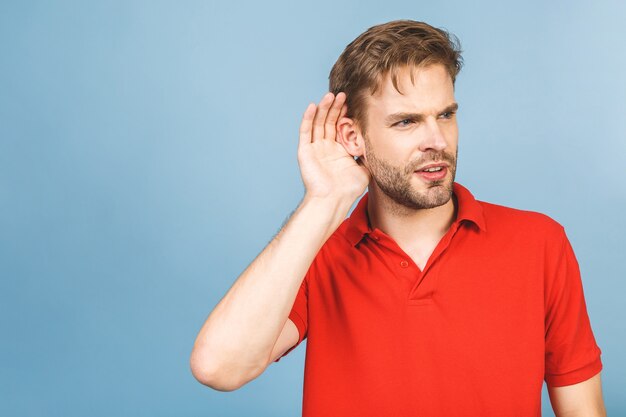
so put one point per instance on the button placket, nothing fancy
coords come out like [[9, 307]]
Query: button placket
[[404, 266], [421, 292]]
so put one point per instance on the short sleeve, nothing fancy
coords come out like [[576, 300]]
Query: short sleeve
[[299, 313], [571, 352]]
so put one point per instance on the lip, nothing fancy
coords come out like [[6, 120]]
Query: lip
[[433, 176], [441, 164]]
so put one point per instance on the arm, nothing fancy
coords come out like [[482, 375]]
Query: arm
[[236, 342], [578, 400]]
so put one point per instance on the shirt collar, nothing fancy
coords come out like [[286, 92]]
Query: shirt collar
[[468, 209]]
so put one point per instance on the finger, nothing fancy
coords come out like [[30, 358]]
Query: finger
[[320, 116], [330, 126], [307, 124], [344, 111]]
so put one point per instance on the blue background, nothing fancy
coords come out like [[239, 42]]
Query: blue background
[[148, 154]]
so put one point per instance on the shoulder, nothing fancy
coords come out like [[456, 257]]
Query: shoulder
[[338, 244], [500, 218]]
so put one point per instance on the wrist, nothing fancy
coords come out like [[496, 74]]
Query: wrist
[[331, 210]]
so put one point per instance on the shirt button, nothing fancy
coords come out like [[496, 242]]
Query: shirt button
[[404, 264]]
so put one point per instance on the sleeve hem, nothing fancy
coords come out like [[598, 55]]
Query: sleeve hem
[[297, 320], [576, 376]]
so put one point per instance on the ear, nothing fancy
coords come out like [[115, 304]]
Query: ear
[[349, 135]]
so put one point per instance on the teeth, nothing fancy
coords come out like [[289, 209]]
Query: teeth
[[432, 169]]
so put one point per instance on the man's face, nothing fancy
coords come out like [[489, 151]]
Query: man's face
[[406, 132]]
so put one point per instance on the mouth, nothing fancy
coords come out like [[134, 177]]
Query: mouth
[[433, 172]]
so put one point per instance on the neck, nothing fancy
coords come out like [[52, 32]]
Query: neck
[[404, 224]]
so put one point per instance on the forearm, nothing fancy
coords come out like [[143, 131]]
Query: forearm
[[593, 408], [591, 412], [583, 399], [238, 336]]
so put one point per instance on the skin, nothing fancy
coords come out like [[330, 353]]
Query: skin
[[327, 170], [402, 203], [578, 400], [432, 139]]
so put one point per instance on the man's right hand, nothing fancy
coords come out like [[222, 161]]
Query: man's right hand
[[250, 327], [327, 169]]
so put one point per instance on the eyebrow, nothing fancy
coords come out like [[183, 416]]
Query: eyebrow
[[392, 118]]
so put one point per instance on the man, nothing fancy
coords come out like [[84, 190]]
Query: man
[[425, 301]]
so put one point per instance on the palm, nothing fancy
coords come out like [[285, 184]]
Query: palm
[[327, 168]]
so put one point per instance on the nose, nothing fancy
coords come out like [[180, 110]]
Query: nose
[[434, 138]]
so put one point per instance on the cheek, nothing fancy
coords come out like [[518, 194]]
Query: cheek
[[451, 135], [383, 146], [452, 132]]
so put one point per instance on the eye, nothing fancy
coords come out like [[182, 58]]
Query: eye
[[447, 115], [403, 122]]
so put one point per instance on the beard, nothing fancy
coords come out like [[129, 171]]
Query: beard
[[395, 182]]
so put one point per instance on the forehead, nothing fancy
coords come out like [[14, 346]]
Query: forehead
[[422, 90]]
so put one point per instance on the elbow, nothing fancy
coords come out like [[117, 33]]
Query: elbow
[[217, 382], [218, 377]]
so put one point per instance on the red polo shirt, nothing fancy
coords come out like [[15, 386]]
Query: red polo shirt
[[498, 308]]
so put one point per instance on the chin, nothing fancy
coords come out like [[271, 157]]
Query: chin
[[437, 194]]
